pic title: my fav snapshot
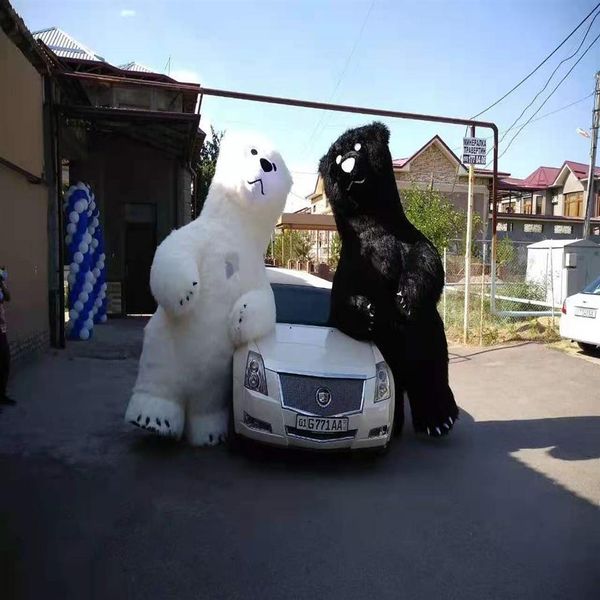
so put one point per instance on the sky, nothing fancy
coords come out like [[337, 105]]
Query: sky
[[430, 56]]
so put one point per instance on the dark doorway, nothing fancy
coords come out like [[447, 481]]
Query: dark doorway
[[140, 244]]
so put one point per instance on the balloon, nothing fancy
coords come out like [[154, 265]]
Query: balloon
[[78, 306], [83, 248], [94, 243], [84, 334], [73, 314], [103, 319], [78, 257], [83, 297], [87, 287], [80, 206], [74, 267], [74, 217], [71, 228]]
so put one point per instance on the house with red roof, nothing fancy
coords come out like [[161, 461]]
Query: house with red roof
[[434, 165], [548, 203]]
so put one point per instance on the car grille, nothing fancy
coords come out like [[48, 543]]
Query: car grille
[[321, 436], [299, 392]]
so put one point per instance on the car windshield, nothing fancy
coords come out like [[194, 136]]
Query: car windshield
[[301, 304], [593, 288]]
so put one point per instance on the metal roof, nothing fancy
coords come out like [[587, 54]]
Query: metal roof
[[135, 66], [62, 44]]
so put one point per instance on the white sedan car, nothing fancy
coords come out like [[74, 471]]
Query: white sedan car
[[307, 384], [580, 319]]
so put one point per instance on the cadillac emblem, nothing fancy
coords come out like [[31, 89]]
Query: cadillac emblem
[[323, 396]]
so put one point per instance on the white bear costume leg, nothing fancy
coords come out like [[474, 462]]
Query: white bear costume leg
[[210, 283]]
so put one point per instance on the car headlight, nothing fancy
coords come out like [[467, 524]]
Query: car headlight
[[255, 378], [383, 385]]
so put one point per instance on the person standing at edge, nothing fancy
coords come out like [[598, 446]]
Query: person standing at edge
[[4, 349]]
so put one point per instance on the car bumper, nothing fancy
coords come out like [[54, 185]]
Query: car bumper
[[263, 419], [580, 329]]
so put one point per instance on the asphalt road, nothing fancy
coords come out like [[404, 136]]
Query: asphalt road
[[506, 507]]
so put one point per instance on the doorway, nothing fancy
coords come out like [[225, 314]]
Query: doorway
[[140, 245]]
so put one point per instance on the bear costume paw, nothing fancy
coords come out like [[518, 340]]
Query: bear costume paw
[[402, 302], [364, 316], [207, 430], [157, 415], [439, 429], [174, 285], [253, 316]]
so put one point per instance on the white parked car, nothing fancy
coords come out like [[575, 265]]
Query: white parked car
[[307, 384], [580, 319]]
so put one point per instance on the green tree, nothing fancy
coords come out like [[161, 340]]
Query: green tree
[[436, 217], [205, 169], [506, 253], [335, 248], [290, 245]]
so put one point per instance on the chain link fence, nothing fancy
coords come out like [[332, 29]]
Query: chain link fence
[[521, 301]]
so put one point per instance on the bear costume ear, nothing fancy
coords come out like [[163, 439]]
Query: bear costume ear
[[381, 132]]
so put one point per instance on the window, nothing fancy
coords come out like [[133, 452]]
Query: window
[[301, 304], [566, 229], [532, 228], [574, 204], [314, 208], [504, 226]]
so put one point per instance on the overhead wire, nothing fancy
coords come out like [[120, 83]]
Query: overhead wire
[[549, 96], [342, 73], [540, 65], [550, 78]]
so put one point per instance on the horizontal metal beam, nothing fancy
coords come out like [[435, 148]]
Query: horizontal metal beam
[[345, 108], [96, 112], [97, 78]]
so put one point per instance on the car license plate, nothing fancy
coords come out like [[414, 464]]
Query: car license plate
[[582, 311], [321, 425]]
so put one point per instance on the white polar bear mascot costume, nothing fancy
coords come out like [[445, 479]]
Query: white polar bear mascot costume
[[210, 283]]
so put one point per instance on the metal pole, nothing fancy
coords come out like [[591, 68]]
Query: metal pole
[[444, 293], [468, 238], [494, 223], [589, 203]]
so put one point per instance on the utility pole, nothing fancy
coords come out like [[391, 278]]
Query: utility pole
[[468, 238], [589, 203]]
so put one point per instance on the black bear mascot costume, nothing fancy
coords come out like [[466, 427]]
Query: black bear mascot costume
[[389, 278]]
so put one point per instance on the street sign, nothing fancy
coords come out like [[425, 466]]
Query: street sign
[[474, 151]]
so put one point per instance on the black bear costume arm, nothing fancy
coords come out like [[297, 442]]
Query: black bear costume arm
[[422, 278]]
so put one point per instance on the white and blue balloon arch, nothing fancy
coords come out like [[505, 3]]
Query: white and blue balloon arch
[[87, 276]]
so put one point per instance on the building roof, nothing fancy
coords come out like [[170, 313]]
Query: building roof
[[401, 163], [547, 177], [65, 46], [135, 66]]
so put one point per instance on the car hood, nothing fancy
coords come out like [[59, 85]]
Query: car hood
[[316, 351]]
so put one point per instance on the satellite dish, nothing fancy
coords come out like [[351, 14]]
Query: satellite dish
[[583, 132]]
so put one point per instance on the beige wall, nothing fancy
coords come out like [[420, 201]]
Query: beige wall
[[572, 184], [23, 206], [24, 252], [21, 99]]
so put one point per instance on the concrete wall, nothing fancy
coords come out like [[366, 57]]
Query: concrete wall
[[23, 206]]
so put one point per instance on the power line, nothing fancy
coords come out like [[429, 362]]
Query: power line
[[551, 76], [540, 65], [514, 126], [343, 72], [549, 96]]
